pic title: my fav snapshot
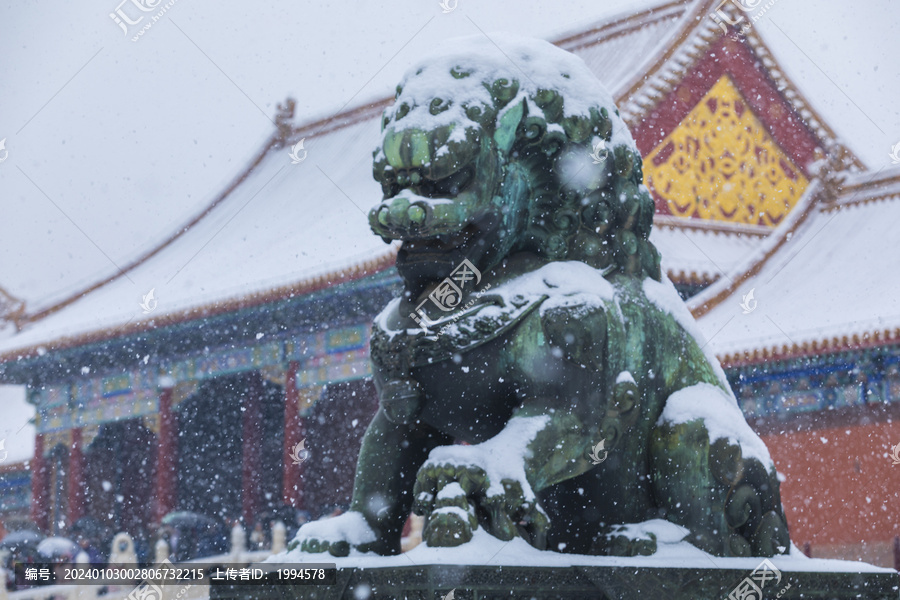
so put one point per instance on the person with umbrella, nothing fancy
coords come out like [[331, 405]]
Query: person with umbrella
[[19, 547], [57, 551]]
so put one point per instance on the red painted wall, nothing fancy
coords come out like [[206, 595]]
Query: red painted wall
[[841, 487]]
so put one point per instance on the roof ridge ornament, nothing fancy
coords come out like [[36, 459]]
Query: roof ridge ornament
[[283, 119], [12, 309], [833, 170]]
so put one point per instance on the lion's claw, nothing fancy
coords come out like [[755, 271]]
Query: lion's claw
[[448, 528], [451, 495], [432, 480], [314, 546], [335, 536]]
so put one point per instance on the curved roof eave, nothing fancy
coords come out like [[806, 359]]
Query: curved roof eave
[[685, 48], [880, 187], [254, 162], [712, 296], [306, 286]]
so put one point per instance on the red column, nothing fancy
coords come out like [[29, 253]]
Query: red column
[[75, 484], [250, 448], [39, 482], [294, 433], [166, 457]]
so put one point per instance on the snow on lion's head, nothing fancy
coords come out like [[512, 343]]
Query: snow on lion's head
[[509, 144]]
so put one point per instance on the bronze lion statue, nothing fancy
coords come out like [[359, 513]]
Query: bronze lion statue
[[538, 376]]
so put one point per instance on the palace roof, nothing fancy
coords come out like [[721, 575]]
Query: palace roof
[[821, 282]]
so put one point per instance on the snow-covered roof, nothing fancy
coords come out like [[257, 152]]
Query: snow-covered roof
[[280, 228], [823, 281], [99, 172], [700, 254], [618, 48]]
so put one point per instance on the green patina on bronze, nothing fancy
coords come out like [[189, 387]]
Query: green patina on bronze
[[510, 212]]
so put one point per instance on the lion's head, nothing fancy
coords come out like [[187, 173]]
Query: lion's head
[[494, 149]]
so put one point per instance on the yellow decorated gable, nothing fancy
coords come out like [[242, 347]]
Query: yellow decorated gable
[[720, 163]]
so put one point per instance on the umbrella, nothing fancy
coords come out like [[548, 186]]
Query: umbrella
[[21, 539], [58, 548], [197, 535], [19, 546]]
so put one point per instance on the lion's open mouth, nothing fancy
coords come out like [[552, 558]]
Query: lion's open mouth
[[432, 211], [429, 248], [435, 258]]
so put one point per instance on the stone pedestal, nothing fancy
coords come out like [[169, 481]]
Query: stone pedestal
[[570, 583]]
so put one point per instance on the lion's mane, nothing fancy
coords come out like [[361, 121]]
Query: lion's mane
[[581, 209]]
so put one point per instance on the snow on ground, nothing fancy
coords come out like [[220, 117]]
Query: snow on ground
[[485, 549]]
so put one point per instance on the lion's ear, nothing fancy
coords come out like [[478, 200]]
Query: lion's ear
[[505, 134]]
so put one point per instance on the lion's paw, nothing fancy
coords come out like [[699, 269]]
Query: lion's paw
[[451, 496], [449, 526], [620, 544], [638, 539], [442, 495], [336, 535]]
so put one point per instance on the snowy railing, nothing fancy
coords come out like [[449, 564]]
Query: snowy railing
[[239, 555]]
